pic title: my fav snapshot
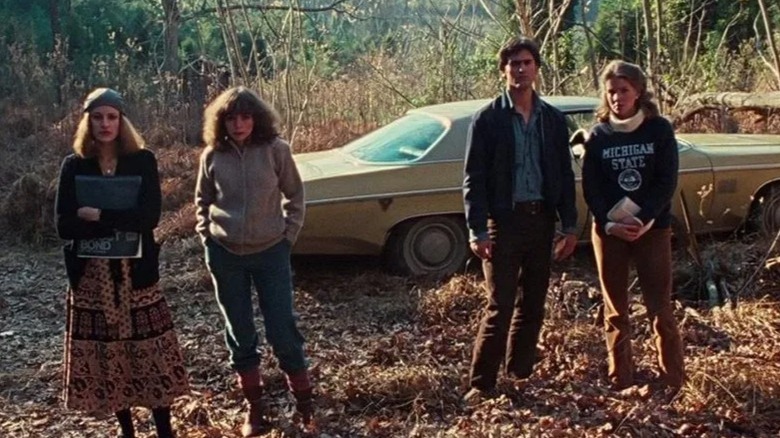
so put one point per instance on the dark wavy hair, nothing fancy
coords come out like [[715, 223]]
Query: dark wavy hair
[[239, 100], [636, 77], [515, 45]]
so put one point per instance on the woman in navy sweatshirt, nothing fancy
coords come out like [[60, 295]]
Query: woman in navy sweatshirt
[[629, 179]]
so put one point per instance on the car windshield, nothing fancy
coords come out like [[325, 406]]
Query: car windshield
[[402, 141]]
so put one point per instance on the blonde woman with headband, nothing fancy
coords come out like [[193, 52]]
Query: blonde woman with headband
[[120, 347]]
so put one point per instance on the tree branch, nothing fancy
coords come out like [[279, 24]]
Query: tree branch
[[332, 7]]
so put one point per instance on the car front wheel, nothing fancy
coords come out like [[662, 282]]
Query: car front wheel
[[428, 246], [766, 215]]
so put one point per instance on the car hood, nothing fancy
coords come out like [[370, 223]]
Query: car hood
[[314, 166], [729, 150], [332, 175]]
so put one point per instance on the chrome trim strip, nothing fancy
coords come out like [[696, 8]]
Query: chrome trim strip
[[695, 170], [749, 167], [384, 195]]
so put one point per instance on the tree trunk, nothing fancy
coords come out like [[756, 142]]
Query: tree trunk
[[56, 45], [524, 12], [733, 101], [171, 36], [659, 39], [650, 39], [591, 52], [770, 40], [659, 46]]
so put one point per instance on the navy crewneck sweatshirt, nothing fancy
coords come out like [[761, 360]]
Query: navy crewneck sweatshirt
[[641, 164]]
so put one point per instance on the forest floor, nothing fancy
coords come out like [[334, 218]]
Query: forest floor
[[390, 354]]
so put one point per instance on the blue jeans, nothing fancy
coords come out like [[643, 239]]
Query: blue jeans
[[270, 271]]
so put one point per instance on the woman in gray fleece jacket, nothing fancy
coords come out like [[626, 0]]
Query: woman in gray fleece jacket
[[250, 208]]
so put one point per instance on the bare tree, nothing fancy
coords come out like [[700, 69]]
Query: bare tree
[[524, 11], [770, 42], [59, 48], [589, 40], [542, 20], [171, 24], [650, 38]]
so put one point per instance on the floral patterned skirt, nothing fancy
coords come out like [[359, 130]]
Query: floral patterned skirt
[[120, 347]]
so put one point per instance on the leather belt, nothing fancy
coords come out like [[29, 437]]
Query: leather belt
[[529, 207]]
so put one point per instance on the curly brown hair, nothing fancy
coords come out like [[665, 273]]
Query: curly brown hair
[[128, 140], [636, 77], [239, 100]]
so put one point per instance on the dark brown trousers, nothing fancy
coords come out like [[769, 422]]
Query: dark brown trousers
[[513, 317], [652, 255]]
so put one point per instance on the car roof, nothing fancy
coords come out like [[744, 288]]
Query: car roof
[[465, 108]]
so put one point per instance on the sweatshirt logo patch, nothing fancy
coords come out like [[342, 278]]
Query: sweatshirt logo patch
[[630, 180], [628, 161]]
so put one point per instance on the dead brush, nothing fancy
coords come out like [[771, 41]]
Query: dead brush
[[176, 192], [328, 135], [404, 388], [457, 302], [178, 161], [176, 224], [751, 121], [734, 270], [178, 167], [24, 212], [731, 365]]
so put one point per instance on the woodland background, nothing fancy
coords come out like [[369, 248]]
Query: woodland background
[[389, 353]]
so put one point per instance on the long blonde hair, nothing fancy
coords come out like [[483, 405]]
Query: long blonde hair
[[128, 140], [239, 100], [636, 77]]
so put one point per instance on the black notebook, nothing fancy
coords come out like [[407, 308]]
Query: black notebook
[[109, 193]]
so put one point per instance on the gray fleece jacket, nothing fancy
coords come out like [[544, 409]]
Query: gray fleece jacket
[[249, 198]]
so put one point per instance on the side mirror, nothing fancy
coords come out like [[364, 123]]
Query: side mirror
[[577, 143]]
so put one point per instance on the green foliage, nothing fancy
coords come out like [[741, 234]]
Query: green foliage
[[104, 36], [26, 22], [618, 30]]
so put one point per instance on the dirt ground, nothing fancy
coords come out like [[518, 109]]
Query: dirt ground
[[390, 356]]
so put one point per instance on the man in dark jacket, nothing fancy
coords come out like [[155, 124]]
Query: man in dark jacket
[[518, 181]]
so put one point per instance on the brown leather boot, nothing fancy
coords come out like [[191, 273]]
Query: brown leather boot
[[303, 391], [252, 386]]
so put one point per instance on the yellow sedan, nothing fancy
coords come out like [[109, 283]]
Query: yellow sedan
[[396, 192]]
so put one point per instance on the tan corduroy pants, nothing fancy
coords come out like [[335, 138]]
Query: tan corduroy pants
[[652, 256]]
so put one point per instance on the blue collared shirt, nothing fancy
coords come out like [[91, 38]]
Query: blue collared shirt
[[527, 176]]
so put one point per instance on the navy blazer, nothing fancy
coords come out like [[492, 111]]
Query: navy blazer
[[489, 168], [143, 219]]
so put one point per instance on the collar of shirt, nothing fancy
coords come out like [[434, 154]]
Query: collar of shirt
[[508, 104]]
